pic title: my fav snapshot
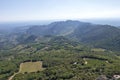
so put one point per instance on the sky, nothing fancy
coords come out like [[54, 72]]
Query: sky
[[28, 10]]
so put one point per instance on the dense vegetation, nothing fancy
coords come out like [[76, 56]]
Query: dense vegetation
[[65, 57]]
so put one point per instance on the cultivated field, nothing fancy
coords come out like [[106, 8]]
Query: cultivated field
[[30, 67], [98, 49]]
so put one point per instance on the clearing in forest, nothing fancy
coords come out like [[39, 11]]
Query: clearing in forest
[[98, 49], [30, 67]]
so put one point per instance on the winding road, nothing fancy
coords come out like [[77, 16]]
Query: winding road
[[11, 77]]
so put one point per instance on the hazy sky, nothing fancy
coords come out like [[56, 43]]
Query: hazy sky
[[25, 10]]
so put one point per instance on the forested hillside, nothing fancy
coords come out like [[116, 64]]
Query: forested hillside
[[87, 33], [65, 50]]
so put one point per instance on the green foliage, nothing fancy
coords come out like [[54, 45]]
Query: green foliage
[[62, 58]]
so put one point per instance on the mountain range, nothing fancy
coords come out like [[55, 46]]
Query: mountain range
[[68, 50], [102, 36], [105, 36]]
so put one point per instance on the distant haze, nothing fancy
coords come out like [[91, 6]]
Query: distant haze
[[10, 25], [113, 22]]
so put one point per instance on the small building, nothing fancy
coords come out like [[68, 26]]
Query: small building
[[75, 63], [116, 77]]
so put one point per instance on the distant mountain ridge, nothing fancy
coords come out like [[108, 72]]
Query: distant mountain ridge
[[81, 31], [56, 28], [101, 36]]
